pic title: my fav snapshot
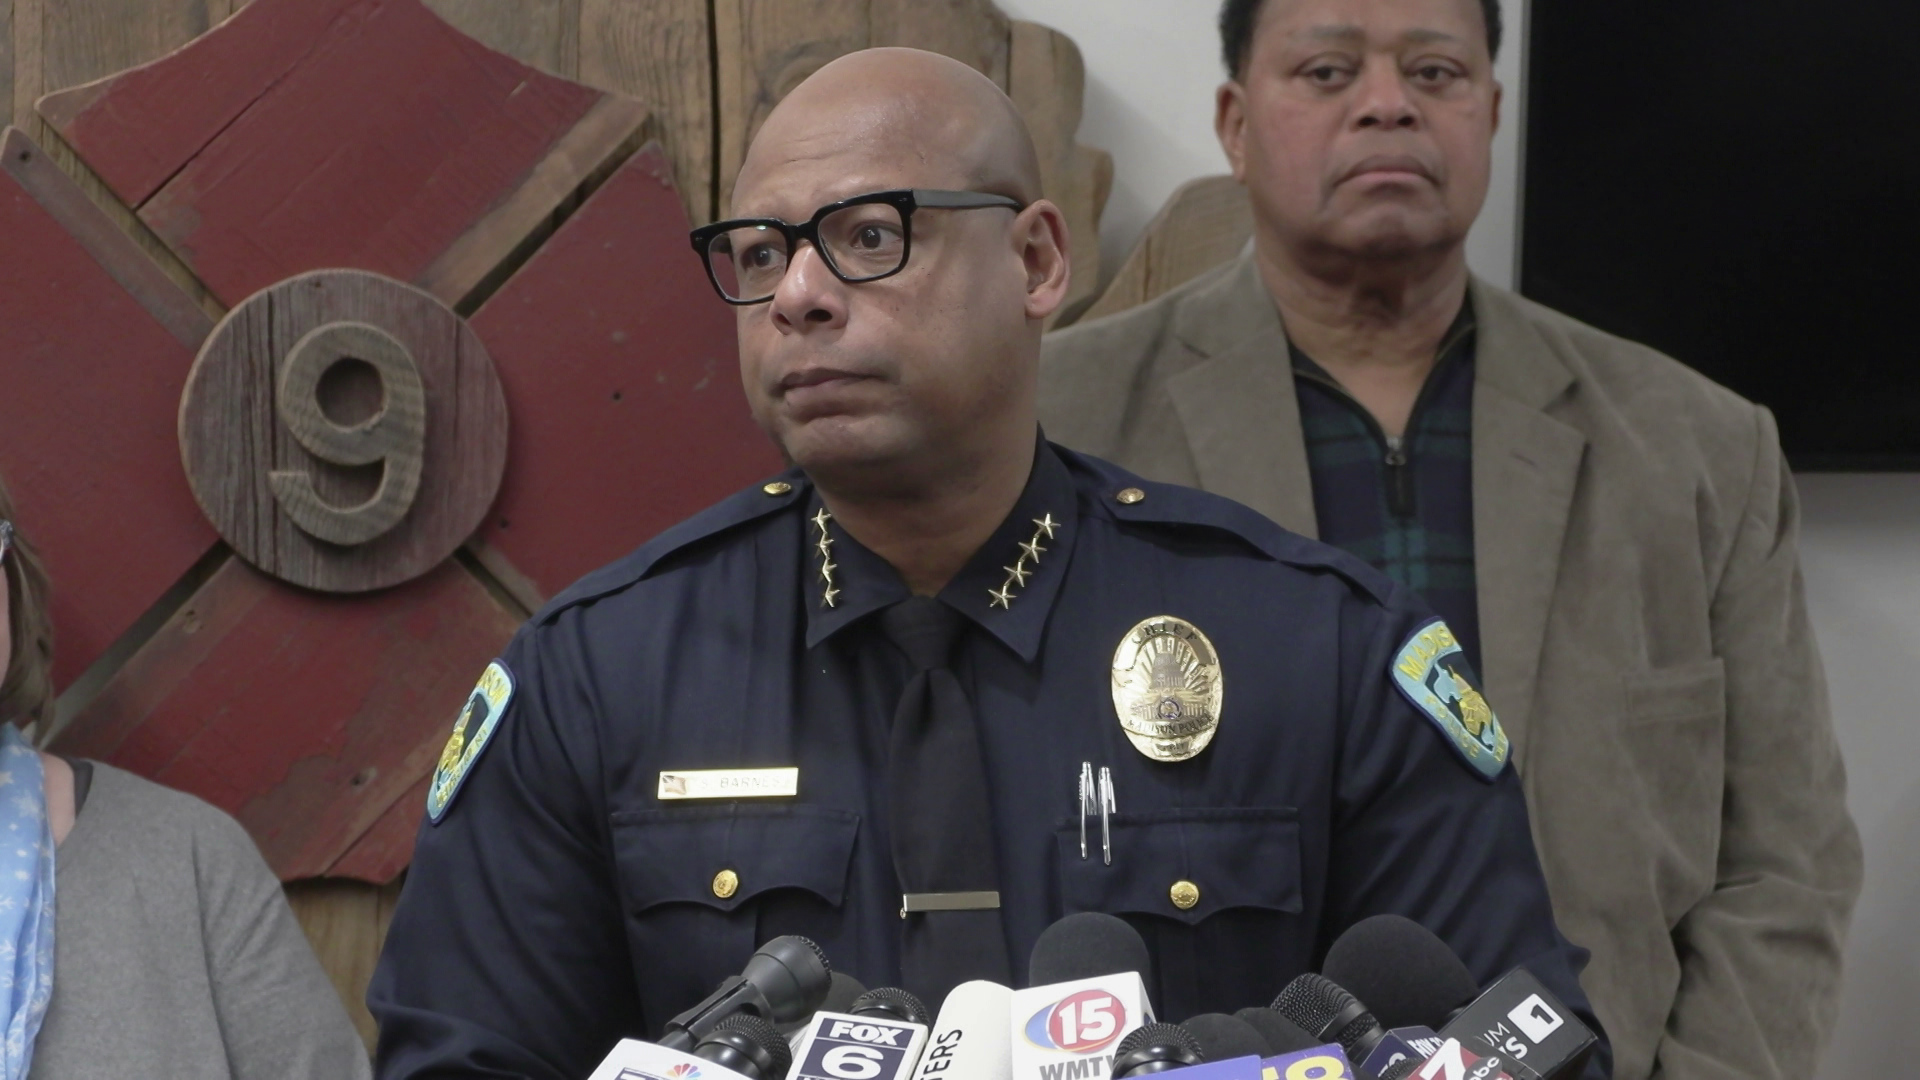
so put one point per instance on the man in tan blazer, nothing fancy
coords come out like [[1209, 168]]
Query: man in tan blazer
[[1621, 529]]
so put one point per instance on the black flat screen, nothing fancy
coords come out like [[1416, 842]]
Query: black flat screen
[[1738, 185]]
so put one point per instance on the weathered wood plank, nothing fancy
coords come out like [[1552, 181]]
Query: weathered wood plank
[[346, 921], [621, 375], [765, 49], [93, 373], [309, 133], [6, 62], [542, 33], [304, 715], [83, 40], [657, 51], [1205, 222], [1047, 81], [971, 31]]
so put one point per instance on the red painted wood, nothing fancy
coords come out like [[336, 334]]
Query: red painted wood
[[89, 385], [387, 848], [311, 718], [622, 379], [302, 134]]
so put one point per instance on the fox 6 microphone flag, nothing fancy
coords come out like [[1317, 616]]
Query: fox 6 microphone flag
[[841, 1046], [636, 1060], [1070, 1030]]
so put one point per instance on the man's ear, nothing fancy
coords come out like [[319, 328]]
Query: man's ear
[[1046, 251], [1230, 125], [1499, 96]]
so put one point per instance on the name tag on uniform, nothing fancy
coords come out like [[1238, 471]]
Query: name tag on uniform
[[730, 784]]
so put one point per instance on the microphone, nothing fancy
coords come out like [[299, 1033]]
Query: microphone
[[784, 980], [1087, 945], [1156, 1048], [1519, 1019], [1327, 1012], [973, 1038], [1222, 1037], [740, 1047], [1282, 1035], [1454, 1061], [879, 1038], [842, 992], [1407, 976]]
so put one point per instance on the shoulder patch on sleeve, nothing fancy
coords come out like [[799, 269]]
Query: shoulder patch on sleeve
[[1432, 672], [471, 732]]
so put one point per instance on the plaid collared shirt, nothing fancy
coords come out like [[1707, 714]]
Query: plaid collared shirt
[[1405, 505]]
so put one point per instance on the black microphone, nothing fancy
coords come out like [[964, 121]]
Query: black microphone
[[1087, 945], [1282, 1035], [1407, 976], [748, 1045], [841, 993], [1520, 1019], [783, 982], [891, 1003], [1222, 1037], [1156, 1048], [1327, 1012]]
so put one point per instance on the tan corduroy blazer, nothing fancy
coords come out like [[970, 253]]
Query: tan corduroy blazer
[[1644, 632]]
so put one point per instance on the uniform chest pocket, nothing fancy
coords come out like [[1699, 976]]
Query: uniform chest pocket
[[689, 881], [1187, 864]]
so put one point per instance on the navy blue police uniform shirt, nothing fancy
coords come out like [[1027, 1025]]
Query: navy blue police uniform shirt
[[557, 904]]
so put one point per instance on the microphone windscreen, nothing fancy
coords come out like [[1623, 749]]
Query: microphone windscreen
[[1222, 1037], [842, 992], [1407, 976], [973, 1036], [1283, 1036], [1087, 945], [893, 1003]]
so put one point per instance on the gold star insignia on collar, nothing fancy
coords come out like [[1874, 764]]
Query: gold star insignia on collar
[[827, 566], [1025, 565]]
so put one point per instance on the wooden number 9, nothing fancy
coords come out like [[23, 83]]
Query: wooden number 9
[[396, 436]]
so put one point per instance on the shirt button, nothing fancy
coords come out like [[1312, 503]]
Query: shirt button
[[1184, 895], [778, 487], [726, 883], [1129, 496]]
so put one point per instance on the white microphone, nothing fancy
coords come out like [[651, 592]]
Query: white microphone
[[740, 1047], [879, 1037], [636, 1060], [973, 1038]]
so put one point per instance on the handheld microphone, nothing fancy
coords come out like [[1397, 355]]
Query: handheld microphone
[[1156, 1048], [972, 1039], [1087, 945], [1327, 1012], [784, 980], [1407, 976], [1222, 1037], [842, 992], [1282, 1035], [1415, 1044], [740, 1047], [880, 1038], [1519, 1019]]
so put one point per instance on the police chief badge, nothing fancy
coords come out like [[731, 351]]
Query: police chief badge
[[1167, 688], [1434, 674], [470, 734]]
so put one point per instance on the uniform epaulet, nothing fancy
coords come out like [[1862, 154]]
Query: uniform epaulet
[[1128, 498], [740, 508]]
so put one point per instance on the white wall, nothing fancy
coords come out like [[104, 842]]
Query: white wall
[[1152, 66]]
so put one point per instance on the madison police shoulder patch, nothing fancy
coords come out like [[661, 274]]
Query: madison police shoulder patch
[[1433, 673], [478, 718]]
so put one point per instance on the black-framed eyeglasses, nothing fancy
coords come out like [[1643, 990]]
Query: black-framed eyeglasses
[[865, 238], [6, 539]]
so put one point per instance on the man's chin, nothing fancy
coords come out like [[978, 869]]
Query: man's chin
[[844, 447], [1393, 236]]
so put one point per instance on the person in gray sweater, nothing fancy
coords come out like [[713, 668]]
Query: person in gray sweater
[[168, 948]]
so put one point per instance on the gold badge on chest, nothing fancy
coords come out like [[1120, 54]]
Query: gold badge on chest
[[1167, 688]]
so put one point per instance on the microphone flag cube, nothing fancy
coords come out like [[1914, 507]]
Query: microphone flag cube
[[841, 1046], [1070, 1030], [1327, 1062]]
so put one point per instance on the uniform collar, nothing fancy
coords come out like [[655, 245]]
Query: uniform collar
[[1007, 588]]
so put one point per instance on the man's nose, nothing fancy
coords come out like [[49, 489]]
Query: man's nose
[[1384, 100], [809, 297]]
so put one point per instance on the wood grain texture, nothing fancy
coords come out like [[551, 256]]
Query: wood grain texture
[[1205, 222], [6, 62], [621, 370], [375, 138], [971, 31], [542, 33], [308, 717], [92, 372], [656, 51], [83, 40], [234, 438], [765, 49], [346, 922], [1047, 81]]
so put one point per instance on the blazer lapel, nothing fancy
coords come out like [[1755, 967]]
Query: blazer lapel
[[1526, 466], [1237, 407]]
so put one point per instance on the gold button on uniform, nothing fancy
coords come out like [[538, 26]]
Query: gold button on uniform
[[1129, 496], [726, 883], [778, 487], [1184, 895]]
